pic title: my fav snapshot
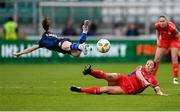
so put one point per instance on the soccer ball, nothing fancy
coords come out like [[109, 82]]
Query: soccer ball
[[103, 45]]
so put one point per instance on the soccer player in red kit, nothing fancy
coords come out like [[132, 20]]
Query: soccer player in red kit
[[167, 38], [133, 83]]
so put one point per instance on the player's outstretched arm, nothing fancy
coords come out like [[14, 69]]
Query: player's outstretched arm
[[27, 50], [141, 78], [159, 92]]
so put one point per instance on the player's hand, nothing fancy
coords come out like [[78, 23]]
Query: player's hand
[[165, 94], [16, 54], [146, 83]]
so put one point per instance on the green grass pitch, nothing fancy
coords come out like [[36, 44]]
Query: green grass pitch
[[46, 87]]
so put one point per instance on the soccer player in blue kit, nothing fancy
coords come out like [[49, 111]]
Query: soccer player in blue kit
[[55, 43]]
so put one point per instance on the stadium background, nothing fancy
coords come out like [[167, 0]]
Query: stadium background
[[40, 80]]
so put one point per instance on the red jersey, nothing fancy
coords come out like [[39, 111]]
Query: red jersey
[[168, 32], [132, 85], [167, 37]]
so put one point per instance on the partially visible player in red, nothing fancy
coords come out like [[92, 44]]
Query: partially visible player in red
[[167, 38], [133, 83]]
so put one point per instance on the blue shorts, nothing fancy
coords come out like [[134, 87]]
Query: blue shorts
[[51, 42]]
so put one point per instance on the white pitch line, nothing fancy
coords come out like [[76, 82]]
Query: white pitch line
[[172, 89]]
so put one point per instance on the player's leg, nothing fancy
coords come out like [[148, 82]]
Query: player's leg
[[27, 50], [112, 90], [158, 55], [67, 45], [81, 46], [84, 33], [90, 90], [99, 90], [75, 53], [174, 56], [100, 74]]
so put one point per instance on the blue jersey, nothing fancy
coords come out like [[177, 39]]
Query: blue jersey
[[51, 42]]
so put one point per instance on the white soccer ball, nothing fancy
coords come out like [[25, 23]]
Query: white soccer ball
[[103, 45]]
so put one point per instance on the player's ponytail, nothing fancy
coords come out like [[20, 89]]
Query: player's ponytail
[[154, 64], [45, 24]]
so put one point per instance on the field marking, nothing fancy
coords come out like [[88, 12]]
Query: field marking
[[173, 89], [39, 87], [19, 87]]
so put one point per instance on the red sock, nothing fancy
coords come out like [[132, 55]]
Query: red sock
[[92, 90], [98, 74], [175, 70], [155, 69]]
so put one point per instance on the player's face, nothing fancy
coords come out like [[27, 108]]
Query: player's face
[[149, 66], [163, 22]]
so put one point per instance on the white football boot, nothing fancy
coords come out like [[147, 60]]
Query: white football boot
[[85, 26], [175, 81]]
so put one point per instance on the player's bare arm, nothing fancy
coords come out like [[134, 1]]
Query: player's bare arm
[[27, 50], [141, 78], [159, 92]]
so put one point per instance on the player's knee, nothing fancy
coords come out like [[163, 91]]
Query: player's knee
[[111, 77], [66, 46], [104, 89], [175, 59]]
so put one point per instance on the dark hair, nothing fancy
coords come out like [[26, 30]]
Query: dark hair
[[10, 19], [163, 16], [154, 64], [45, 24]]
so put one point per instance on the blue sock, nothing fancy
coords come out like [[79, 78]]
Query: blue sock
[[75, 46], [82, 38]]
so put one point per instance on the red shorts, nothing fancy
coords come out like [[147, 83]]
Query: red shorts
[[169, 43], [125, 83]]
